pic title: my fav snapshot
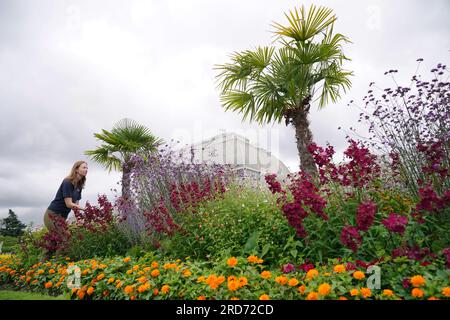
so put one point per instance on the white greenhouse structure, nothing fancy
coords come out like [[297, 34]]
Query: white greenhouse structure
[[236, 150]]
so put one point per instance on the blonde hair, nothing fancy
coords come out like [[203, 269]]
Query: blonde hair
[[73, 177]]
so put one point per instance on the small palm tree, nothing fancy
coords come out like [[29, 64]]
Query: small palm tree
[[125, 139], [281, 83]]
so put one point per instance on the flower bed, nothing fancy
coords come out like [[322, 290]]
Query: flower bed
[[232, 278]]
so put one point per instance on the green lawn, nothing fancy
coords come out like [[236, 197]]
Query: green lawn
[[22, 295]]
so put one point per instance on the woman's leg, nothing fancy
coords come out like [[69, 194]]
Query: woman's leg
[[49, 222]]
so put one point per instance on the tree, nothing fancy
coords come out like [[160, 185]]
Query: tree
[[125, 139], [276, 83], [11, 225]]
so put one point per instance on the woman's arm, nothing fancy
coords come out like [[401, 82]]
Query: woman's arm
[[70, 204]]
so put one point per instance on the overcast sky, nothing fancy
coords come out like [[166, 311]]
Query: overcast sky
[[70, 68]]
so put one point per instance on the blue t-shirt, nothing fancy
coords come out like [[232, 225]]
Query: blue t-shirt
[[66, 190]]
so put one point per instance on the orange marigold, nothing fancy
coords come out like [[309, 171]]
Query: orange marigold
[[446, 291], [90, 290], [339, 268], [354, 292], [324, 289], [165, 289], [358, 275], [80, 294], [312, 273], [128, 290], [302, 289], [233, 285], [281, 280], [264, 297], [293, 282], [100, 276], [155, 273], [252, 259], [201, 298], [48, 285], [343, 298], [417, 293], [312, 296], [127, 259], [366, 292], [232, 262], [266, 274], [388, 293], [417, 281]]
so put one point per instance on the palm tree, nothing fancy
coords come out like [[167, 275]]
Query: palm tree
[[272, 83], [125, 139]]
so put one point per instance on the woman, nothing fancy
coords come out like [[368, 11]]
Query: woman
[[68, 195]]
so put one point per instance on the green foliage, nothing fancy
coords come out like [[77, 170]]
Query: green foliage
[[85, 244], [245, 221], [8, 244]]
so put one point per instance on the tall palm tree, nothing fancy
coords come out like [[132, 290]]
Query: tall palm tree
[[276, 83], [125, 139]]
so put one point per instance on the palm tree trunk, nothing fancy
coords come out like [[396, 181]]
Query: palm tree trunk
[[126, 181], [304, 138]]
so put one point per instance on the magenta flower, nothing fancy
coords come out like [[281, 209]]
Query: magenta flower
[[365, 215], [350, 238], [395, 223], [287, 268]]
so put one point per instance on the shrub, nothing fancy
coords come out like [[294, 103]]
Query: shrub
[[245, 220]]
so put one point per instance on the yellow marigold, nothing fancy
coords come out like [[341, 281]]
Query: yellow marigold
[[259, 261], [354, 292], [266, 274], [80, 294], [388, 293], [293, 282], [48, 285], [358, 275], [110, 280], [129, 271], [366, 292], [302, 289], [311, 274], [102, 266], [90, 290], [339, 268], [118, 284], [201, 298], [127, 259], [200, 279], [324, 289], [232, 262], [165, 289], [446, 292], [233, 285], [417, 281], [312, 296], [281, 280], [155, 264], [264, 297], [147, 269], [128, 290], [417, 293], [100, 276], [40, 271], [155, 273]]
